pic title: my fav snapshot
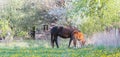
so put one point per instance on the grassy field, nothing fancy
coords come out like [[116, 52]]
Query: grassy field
[[43, 49]]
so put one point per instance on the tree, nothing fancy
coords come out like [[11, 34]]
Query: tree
[[24, 16], [94, 15]]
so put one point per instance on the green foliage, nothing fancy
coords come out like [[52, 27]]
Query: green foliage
[[11, 16], [96, 15], [89, 16], [22, 15], [4, 25]]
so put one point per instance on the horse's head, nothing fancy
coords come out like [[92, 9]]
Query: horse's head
[[79, 36]]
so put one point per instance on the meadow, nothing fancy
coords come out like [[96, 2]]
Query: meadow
[[99, 19], [42, 48]]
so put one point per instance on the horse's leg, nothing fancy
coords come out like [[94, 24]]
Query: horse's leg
[[70, 42], [52, 40], [74, 42], [56, 41]]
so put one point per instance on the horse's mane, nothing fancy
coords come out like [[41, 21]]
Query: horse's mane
[[75, 28]]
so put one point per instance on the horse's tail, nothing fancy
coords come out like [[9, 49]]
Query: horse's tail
[[53, 31], [52, 40]]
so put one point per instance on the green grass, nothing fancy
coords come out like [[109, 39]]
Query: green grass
[[63, 51]]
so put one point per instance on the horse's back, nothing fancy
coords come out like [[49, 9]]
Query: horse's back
[[64, 32]]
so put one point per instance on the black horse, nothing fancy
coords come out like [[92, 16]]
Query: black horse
[[64, 32]]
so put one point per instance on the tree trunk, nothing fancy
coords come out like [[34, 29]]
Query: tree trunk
[[32, 33]]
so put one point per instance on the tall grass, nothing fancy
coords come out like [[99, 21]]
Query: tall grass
[[106, 38]]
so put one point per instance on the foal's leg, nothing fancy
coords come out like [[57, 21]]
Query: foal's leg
[[82, 43], [56, 41]]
